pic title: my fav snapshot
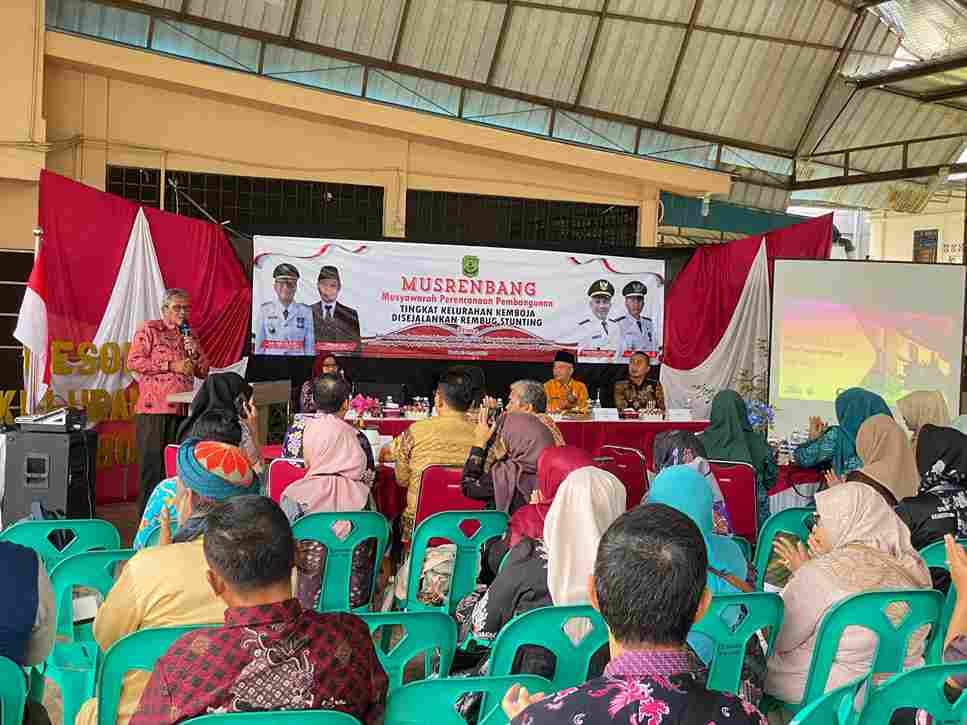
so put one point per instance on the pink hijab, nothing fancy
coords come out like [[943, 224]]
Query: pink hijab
[[553, 466], [336, 463]]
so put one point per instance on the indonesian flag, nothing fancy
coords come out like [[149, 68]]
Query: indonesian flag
[[31, 331]]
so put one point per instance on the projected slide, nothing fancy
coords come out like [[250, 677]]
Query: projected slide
[[888, 327]]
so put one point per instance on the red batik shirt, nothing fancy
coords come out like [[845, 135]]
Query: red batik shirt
[[270, 657], [153, 347]]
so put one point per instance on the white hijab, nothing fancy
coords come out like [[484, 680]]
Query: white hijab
[[586, 504]]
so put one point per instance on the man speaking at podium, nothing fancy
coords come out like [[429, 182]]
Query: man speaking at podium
[[165, 359]]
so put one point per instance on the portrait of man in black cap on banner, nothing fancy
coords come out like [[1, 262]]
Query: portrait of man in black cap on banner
[[637, 330], [332, 320], [599, 338], [285, 326]]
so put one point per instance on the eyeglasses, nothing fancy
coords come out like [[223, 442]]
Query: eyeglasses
[[180, 308]]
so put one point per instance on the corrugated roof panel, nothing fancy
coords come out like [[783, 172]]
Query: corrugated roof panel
[[760, 197], [544, 52], [668, 147], [270, 16], [506, 112], [624, 77], [594, 5], [412, 92], [814, 21], [873, 49], [167, 4], [359, 26], [310, 69], [75, 16], [456, 37], [595, 131], [674, 10], [748, 89]]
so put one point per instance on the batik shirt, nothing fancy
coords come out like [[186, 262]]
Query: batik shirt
[[647, 687], [270, 657]]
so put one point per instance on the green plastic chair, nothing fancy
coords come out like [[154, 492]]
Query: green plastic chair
[[921, 688], [868, 609], [466, 566], [435, 700], [791, 521], [730, 621], [935, 556], [744, 545], [13, 692], [424, 633], [283, 717], [89, 534], [73, 662], [137, 651], [366, 525], [836, 707], [544, 627]]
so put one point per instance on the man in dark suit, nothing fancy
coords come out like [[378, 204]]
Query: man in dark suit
[[333, 321]]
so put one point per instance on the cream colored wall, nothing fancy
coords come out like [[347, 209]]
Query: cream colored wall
[[891, 233], [111, 105]]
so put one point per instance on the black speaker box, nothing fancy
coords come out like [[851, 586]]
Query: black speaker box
[[57, 469]]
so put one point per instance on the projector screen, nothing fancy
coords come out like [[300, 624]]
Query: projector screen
[[889, 327]]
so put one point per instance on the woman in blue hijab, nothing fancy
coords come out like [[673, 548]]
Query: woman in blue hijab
[[836, 444], [685, 489]]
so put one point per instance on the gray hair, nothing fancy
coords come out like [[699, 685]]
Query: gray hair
[[173, 293], [531, 393]]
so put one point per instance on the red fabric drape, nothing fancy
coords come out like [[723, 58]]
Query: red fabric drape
[[703, 298], [85, 235]]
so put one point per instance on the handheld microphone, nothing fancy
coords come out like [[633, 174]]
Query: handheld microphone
[[185, 329]]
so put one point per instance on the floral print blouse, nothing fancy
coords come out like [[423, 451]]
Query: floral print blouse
[[645, 688]]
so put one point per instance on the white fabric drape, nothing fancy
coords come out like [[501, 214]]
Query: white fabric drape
[[743, 351], [136, 297]]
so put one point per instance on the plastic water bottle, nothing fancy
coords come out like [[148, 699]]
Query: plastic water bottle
[[597, 399]]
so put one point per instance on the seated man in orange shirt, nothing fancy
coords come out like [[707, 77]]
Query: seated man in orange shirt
[[564, 393]]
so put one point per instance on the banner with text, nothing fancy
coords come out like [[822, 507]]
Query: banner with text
[[399, 299]]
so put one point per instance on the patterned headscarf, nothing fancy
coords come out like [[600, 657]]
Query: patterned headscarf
[[942, 462], [214, 470]]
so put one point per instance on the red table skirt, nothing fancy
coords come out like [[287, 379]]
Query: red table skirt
[[591, 434], [793, 475]]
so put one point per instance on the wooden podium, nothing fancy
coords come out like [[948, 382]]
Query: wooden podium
[[266, 395]]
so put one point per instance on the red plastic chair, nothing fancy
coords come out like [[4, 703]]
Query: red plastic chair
[[737, 481], [629, 466], [171, 460], [282, 472], [440, 491]]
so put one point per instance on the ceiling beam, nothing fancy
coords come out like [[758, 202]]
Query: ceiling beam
[[682, 49], [854, 31], [886, 144], [591, 51], [917, 97], [296, 12], [917, 172], [945, 94], [499, 47], [382, 64], [404, 16], [917, 70]]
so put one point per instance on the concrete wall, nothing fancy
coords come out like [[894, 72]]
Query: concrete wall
[[891, 233]]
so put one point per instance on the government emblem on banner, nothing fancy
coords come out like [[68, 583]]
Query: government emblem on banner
[[471, 266]]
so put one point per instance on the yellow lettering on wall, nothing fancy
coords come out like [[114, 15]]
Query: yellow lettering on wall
[[119, 406], [98, 406], [6, 400], [89, 360], [110, 358], [105, 451], [125, 349], [59, 352]]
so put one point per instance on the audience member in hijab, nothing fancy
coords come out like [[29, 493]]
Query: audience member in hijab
[[888, 462], [685, 489], [836, 445], [271, 654], [507, 483], [858, 544], [649, 585], [325, 364], [28, 616], [335, 480], [221, 426], [553, 567], [729, 437], [940, 508], [331, 400], [230, 392], [920, 408], [684, 448], [166, 585]]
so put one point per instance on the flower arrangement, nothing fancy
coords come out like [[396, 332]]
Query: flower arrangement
[[364, 406], [761, 415]]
